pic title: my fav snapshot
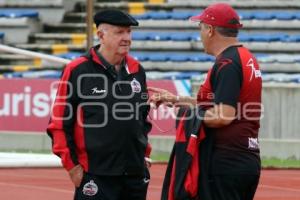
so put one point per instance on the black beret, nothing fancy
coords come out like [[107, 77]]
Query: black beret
[[114, 17]]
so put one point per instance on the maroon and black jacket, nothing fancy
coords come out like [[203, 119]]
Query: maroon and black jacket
[[94, 124], [187, 175]]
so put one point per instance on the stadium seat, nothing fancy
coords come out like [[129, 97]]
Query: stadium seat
[[159, 36], [180, 15], [244, 37], [181, 36], [170, 75], [17, 13], [258, 37], [292, 38], [281, 77], [200, 57], [285, 58], [178, 57], [12, 75], [278, 36], [295, 78], [195, 36], [297, 15], [139, 35], [159, 75], [42, 74], [141, 56], [284, 15], [263, 15], [1, 37], [164, 15], [245, 15], [160, 15], [141, 16], [173, 75], [265, 58], [178, 76], [297, 59], [70, 55], [187, 75], [158, 57]]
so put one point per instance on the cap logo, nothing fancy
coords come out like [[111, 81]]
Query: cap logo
[[210, 17]]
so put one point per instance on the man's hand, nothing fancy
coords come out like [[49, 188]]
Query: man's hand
[[160, 96], [148, 162], [76, 175]]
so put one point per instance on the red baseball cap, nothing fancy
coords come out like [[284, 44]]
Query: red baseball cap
[[219, 14]]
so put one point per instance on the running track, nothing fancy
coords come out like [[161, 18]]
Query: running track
[[54, 184]]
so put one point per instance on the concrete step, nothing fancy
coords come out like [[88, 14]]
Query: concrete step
[[17, 68], [20, 61], [11, 59], [59, 38], [31, 3], [291, 26], [25, 63], [52, 48], [238, 4], [75, 17], [65, 28], [17, 30], [70, 45]]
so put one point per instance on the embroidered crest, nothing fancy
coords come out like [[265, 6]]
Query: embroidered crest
[[90, 188], [135, 86]]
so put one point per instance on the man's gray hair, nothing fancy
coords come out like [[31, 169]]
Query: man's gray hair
[[227, 32]]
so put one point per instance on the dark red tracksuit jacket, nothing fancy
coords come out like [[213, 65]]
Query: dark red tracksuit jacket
[[84, 127], [187, 174]]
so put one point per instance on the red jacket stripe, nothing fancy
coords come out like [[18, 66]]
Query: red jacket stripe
[[55, 128]]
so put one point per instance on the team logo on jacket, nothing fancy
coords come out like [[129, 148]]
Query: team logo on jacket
[[254, 71], [135, 86], [90, 188]]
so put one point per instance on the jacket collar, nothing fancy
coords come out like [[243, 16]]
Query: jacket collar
[[131, 64]]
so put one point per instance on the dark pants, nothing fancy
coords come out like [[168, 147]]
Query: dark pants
[[124, 187], [234, 187]]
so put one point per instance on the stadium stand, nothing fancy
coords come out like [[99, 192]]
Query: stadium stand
[[1, 37], [270, 31], [17, 24], [50, 11], [169, 47]]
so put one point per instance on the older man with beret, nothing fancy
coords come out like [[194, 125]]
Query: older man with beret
[[98, 124]]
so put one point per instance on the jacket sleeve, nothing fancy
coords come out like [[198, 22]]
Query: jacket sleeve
[[145, 112], [61, 123]]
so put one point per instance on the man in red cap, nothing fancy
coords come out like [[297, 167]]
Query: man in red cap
[[231, 96]]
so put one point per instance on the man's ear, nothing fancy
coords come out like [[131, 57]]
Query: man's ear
[[100, 34], [211, 31]]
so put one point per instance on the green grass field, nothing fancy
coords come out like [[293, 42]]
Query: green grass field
[[266, 162], [164, 157]]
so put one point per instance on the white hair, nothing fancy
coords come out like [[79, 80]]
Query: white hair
[[103, 28]]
